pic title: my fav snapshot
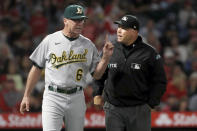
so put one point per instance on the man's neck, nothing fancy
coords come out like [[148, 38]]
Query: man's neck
[[131, 42], [69, 34]]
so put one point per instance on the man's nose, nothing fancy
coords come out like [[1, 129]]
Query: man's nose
[[119, 30]]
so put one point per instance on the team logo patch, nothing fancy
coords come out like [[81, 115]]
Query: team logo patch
[[158, 57], [136, 66], [79, 11]]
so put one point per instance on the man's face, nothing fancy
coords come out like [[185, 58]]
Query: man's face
[[75, 26], [126, 35]]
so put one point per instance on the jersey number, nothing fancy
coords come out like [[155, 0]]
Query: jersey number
[[79, 74]]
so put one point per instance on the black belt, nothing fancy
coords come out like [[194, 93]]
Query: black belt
[[66, 91]]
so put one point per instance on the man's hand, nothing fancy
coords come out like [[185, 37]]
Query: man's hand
[[98, 101], [108, 48], [102, 65], [24, 105]]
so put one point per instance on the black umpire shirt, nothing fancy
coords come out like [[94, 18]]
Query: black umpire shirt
[[135, 76]]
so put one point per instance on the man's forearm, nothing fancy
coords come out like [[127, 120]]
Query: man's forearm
[[100, 69], [32, 78], [102, 65]]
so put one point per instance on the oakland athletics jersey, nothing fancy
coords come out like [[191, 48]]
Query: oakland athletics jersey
[[66, 62]]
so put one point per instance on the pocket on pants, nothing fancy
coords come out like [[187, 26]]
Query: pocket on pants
[[108, 106]]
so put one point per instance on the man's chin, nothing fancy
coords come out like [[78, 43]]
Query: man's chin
[[119, 40], [78, 31]]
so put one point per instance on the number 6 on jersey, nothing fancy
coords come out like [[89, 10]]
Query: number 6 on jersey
[[79, 74]]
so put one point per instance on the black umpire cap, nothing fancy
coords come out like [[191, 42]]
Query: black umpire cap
[[129, 21]]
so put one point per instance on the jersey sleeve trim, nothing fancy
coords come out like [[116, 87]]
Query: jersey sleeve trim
[[92, 73], [35, 64]]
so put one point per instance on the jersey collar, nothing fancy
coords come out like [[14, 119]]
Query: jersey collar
[[70, 39]]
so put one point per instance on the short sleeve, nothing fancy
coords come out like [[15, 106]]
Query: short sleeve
[[38, 57], [95, 59]]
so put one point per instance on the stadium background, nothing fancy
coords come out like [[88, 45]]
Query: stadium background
[[168, 25]]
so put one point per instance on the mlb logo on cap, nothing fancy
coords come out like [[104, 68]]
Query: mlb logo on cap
[[124, 18]]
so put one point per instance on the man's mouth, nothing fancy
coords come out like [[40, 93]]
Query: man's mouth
[[119, 36], [78, 28]]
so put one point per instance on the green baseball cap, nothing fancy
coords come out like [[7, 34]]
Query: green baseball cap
[[74, 12]]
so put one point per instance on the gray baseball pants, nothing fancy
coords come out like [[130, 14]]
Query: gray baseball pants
[[58, 108]]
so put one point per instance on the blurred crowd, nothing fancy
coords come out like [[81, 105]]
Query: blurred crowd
[[170, 26]]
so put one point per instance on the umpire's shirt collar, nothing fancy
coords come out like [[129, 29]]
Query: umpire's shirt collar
[[127, 49]]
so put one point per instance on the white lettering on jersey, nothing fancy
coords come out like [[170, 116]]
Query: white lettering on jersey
[[114, 65]]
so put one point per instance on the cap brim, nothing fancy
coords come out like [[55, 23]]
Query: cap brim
[[79, 17], [118, 22], [121, 24]]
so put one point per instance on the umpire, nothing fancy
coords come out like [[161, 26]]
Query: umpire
[[133, 82]]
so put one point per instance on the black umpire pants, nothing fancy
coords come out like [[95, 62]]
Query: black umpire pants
[[136, 118]]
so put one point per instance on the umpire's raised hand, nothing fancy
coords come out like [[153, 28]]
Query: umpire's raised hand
[[107, 49], [102, 65]]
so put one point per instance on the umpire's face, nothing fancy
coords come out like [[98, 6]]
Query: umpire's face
[[126, 35], [74, 27]]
